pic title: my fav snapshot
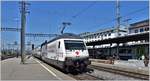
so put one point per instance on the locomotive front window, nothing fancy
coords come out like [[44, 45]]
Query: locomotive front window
[[74, 45]]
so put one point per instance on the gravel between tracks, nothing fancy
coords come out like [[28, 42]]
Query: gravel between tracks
[[110, 76]]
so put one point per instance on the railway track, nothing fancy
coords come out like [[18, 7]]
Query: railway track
[[125, 73], [85, 76], [88, 76], [77, 76]]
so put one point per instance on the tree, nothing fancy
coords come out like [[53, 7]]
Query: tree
[[140, 51]]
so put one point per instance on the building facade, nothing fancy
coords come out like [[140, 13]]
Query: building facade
[[102, 34], [129, 50], [139, 27]]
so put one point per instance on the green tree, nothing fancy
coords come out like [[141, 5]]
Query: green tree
[[140, 51]]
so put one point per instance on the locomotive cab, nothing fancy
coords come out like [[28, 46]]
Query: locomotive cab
[[76, 55]]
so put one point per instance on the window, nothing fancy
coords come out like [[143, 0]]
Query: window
[[113, 31], [147, 28], [136, 31], [95, 36], [122, 51], [74, 45], [141, 30], [123, 31], [59, 44], [109, 34], [129, 51]]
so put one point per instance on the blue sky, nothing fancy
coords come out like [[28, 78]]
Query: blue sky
[[47, 16]]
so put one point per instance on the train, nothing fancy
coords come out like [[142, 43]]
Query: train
[[37, 52], [67, 52]]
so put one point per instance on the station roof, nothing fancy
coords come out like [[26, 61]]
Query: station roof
[[140, 22], [121, 39], [144, 23]]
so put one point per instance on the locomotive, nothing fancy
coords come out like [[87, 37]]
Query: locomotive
[[67, 52]]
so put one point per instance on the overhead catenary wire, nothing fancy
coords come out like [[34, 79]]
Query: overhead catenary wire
[[83, 10], [136, 11], [128, 14], [107, 21], [78, 14]]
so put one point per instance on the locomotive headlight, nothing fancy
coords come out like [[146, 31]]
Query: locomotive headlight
[[68, 61]]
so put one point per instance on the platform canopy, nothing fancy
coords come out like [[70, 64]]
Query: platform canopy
[[121, 39]]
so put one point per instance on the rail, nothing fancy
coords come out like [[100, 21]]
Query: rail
[[122, 72], [84, 76]]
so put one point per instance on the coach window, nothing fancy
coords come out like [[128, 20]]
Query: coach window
[[59, 44]]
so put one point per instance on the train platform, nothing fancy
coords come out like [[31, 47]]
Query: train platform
[[130, 66], [33, 69]]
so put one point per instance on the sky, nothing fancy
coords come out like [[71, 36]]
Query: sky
[[84, 16]]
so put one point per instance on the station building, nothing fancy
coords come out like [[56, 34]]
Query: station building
[[139, 27], [129, 50]]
